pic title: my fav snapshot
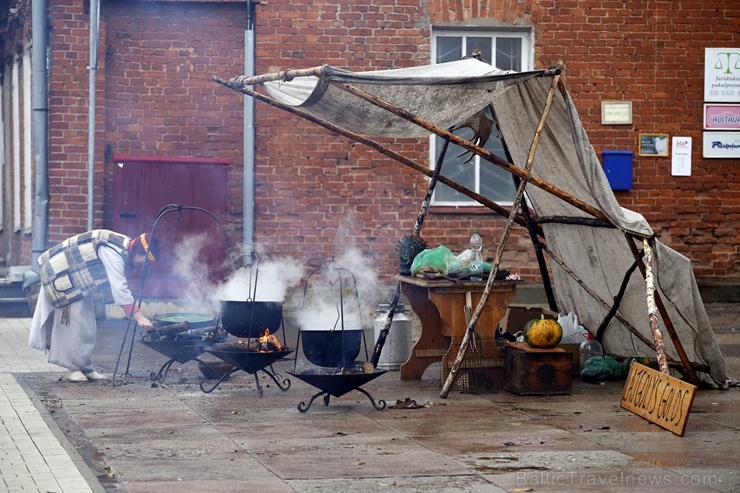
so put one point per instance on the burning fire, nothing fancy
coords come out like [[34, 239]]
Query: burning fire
[[269, 342]]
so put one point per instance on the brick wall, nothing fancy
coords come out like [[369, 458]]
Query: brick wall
[[650, 53], [317, 192], [154, 96]]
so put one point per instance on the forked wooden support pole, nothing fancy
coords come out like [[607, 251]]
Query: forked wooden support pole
[[653, 308], [666, 319]]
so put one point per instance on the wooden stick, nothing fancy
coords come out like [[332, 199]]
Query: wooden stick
[[582, 221], [284, 75], [664, 315], [372, 144], [501, 246], [383, 334], [534, 236], [484, 153], [653, 309]]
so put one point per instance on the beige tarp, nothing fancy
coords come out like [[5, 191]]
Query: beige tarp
[[448, 93]]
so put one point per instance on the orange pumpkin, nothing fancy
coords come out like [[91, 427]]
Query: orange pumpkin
[[543, 333]]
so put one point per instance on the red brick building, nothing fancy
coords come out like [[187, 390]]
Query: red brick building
[[157, 108]]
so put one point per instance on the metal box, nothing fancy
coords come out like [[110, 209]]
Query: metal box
[[618, 169]]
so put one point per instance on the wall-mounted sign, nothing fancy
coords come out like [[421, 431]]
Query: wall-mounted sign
[[681, 156], [722, 144], [653, 145], [721, 116], [616, 112], [722, 75]]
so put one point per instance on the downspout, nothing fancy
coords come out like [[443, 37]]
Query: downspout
[[94, 31], [39, 60], [249, 147]]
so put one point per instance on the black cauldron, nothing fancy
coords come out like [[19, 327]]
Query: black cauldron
[[331, 348], [249, 319]]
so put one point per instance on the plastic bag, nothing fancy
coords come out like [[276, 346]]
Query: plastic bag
[[573, 333], [601, 368], [432, 260], [459, 267]]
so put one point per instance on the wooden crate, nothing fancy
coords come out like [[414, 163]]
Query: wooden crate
[[531, 371]]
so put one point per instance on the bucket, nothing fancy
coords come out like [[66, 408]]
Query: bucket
[[397, 348]]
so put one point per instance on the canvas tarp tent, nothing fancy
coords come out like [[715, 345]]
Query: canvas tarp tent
[[446, 94]]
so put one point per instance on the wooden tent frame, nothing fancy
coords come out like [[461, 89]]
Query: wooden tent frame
[[245, 85]]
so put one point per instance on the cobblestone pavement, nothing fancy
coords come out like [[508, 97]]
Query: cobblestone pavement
[[141, 436]]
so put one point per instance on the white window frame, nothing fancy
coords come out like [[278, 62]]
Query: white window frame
[[527, 57]]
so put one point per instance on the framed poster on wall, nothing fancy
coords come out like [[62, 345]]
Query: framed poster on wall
[[653, 145]]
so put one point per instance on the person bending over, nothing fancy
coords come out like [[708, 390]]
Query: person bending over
[[74, 274]]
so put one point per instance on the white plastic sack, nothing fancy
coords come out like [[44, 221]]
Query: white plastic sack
[[572, 332]]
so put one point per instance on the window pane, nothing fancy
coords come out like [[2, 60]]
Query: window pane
[[483, 44], [455, 168], [449, 49], [495, 183], [509, 54]]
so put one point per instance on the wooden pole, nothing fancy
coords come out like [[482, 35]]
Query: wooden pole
[[653, 308], [501, 246], [664, 315], [447, 135], [284, 75], [240, 86], [372, 144], [484, 153], [534, 236]]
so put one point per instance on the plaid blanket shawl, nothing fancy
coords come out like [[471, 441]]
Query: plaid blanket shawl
[[72, 269]]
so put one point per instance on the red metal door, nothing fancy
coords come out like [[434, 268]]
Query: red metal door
[[193, 247]]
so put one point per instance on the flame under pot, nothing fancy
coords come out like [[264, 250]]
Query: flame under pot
[[326, 347], [249, 319]]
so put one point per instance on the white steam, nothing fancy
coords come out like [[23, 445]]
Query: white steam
[[342, 294], [323, 306]]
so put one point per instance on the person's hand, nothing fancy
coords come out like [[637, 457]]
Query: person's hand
[[142, 321]]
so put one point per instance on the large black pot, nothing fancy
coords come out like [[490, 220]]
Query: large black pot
[[249, 319], [331, 348]]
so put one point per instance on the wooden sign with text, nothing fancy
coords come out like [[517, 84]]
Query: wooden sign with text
[[658, 398]]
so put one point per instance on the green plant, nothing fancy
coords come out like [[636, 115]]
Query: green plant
[[409, 247]]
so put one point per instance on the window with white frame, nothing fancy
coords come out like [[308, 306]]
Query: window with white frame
[[506, 50]]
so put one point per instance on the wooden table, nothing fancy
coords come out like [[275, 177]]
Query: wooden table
[[440, 306]]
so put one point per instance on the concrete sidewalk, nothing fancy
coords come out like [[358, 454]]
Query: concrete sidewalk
[[35, 456], [148, 437]]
